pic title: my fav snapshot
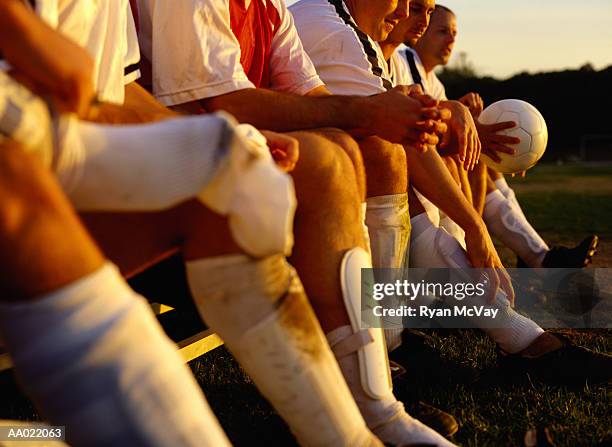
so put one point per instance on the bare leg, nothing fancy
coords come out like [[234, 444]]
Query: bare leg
[[385, 167], [134, 241], [326, 223], [478, 180]]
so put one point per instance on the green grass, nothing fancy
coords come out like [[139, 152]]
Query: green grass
[[495, 411]]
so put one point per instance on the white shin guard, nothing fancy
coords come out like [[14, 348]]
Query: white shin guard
[[260, 310], [388, 222], [93, 358], [507, 222], [434, 248], [363, 360]]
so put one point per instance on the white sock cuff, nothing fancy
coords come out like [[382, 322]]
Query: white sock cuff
[[502, 185], [518, 333], [388, 201]]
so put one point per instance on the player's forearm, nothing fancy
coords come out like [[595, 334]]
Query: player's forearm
[[14, 17], [280, 112], [139, 107], [430, 176]]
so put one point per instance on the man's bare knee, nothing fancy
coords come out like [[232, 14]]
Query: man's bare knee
[[324, 173], [386, 167], [451, 165], [351, 148]]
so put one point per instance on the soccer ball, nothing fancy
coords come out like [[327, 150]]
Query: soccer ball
[[531, 130]]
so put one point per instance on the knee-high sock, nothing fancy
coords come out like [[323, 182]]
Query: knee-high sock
[[507, 222], [260, 310], [433, 212], [508, 192], [93, 358], [385, 416], [388, 221], [433, 247], [453, 229]]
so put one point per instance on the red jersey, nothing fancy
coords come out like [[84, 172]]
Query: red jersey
[[255, 27]]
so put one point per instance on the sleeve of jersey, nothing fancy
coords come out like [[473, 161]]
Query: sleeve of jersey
[[132, 55], [292, 69], [195, 54], [336, 53]]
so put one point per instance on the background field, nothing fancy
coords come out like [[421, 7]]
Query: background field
[[564, 203]]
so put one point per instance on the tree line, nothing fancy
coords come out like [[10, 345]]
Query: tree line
[[577, 104]]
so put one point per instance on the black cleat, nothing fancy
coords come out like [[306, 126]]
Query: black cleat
[[563, 257], [397, 370], [539, 437], [570, 364], [423, 362]]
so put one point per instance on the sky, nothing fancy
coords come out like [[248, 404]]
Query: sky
[[505, 37]]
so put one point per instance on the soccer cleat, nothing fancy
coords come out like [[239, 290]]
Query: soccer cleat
[[397, 370], [569, 364], [422, 361], [441, 421], [539, 437], [563, 257]]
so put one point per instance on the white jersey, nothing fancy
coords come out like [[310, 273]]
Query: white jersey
[[106, 29], [338, 50], [429, 81], [195, 54]]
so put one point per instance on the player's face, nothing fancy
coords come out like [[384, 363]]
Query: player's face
[[439, 40], [410, 30], [377, 18]]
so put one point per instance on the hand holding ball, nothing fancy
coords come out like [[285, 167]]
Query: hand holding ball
[[531, 129]]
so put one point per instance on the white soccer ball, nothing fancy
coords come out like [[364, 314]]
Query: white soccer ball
[[531, 129]]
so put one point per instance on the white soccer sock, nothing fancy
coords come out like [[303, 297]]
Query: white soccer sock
[[508, 223], [387, 219], [388, 222], [453, 229], [435, 248], [145, 167], [94, 358], [433, 212], [260, 310], [386, 416], [508, 192], [503, 186]]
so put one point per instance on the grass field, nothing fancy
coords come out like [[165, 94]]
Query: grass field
[[564, 203]]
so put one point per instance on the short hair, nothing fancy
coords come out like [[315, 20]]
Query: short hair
[[445, 8]]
